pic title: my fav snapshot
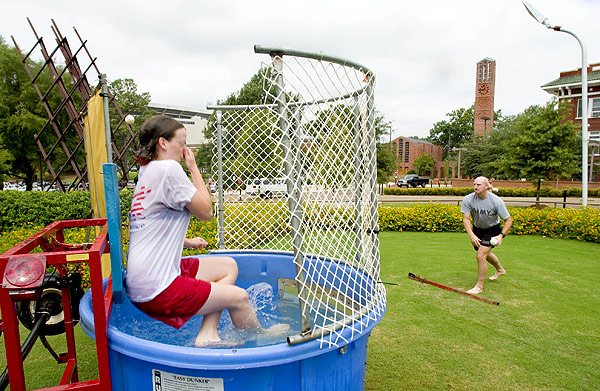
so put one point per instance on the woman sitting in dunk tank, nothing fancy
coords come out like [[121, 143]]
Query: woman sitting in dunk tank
[[158, 281]]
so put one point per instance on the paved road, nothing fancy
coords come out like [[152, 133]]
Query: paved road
[[572, 202]]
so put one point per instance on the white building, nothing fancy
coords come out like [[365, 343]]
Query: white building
[[195, 121]]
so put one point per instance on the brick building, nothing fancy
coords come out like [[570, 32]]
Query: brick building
[[568, 90], [407, 150]]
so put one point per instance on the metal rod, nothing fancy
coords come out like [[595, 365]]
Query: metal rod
[[372, 164], [27, 345], [584, 97], [107, 130], [358, 223], [584, 116], [327, 329], [290, 104], [274, 51], [294, 204], [219, 115]]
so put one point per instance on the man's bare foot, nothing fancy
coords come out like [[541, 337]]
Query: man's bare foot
[[498, 274], [475, 291]]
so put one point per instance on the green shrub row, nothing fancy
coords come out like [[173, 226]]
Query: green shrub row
[[502, 192], [42, 208]]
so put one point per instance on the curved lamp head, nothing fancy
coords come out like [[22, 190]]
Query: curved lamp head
[[536, 14]]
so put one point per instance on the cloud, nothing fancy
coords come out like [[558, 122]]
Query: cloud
[[423, 53]]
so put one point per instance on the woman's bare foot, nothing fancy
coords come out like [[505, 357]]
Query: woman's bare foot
[[499, 273], [278, 329], [216, 344], [207, 339]]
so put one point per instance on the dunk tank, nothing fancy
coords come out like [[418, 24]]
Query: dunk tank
[[296, 207]]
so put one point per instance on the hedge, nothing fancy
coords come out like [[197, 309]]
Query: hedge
[[502, 192], [42, 208], [20, 207]]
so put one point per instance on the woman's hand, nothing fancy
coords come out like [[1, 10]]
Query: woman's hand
[[195, 243], [189, 157]]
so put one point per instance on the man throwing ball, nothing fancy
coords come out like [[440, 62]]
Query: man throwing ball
[[486, 209]]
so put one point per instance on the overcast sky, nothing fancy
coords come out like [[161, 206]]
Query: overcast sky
[[423, 53]]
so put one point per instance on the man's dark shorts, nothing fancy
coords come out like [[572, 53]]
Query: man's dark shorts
[[485, 234]]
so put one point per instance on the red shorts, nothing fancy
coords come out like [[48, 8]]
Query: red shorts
[[182, 299]]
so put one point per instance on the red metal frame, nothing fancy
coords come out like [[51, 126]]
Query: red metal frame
[[51, 240]]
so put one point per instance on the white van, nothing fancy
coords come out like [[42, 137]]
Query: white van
[[270, 187], [253, 186]]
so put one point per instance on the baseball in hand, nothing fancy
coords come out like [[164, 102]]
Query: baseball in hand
[[130, 119], [494, 241]]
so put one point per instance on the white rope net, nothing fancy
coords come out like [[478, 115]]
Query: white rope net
[[299, 174]]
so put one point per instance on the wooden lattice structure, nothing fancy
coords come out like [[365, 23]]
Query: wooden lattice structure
[[65, 119]]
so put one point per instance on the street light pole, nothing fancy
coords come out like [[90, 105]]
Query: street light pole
[[459, 151], [485, 120], [584, 97], [448, 157]]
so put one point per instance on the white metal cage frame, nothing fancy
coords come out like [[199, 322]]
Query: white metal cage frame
[[298, 173]]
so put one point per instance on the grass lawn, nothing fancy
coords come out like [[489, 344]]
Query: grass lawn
[[545, 334]]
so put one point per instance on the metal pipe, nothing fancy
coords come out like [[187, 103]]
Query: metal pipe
[[358, 223], [289, 104], [295, 206], [274, 51], [27, 345], [107, 131], [219, 115], [584, 115], [372, 164], [584, 97]]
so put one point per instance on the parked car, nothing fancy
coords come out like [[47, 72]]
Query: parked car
[[412, 180], [270, 187], [253, 187]]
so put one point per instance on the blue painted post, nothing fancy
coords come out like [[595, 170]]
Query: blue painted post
[[113, 216]]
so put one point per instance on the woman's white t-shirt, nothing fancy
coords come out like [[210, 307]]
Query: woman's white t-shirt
[[158, 223]]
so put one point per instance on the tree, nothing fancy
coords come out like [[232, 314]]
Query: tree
[[22, 116], [424, 163], [483, 154], [386, 160], [251, 93], [259, 154], [130, 101], [544, 146], [5, 158], [454, 132]]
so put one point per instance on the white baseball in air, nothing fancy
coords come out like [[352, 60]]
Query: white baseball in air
[[494, 241], [130, 119]]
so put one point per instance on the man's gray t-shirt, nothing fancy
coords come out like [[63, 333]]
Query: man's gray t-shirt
[[485, 211]]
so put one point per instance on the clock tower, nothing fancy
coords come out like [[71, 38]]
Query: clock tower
[[484, 96]]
